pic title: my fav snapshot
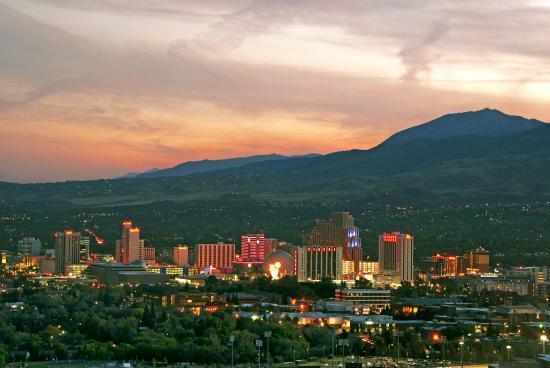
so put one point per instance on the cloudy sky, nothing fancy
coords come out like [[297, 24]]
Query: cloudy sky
[[92, 89]]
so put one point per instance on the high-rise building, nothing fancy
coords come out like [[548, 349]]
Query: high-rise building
[[219, 255], [395, 256], [180, 256], [84, 248], [332, 232], [317, 262], [252, 247], [29, 247], [130, 247], [67, 250], [477, 260]]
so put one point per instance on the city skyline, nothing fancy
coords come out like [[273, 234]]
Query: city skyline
[[91, 90]]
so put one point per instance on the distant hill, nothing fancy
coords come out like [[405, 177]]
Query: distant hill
[[486, 123], [195, 167], [133, 174]]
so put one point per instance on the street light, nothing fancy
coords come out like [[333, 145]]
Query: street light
[[462, 352], [343, 343], [544, 339], [508, 348], [232, 342], [267, 335], [332, 357]]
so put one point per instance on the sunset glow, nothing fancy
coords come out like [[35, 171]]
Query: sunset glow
[[96, 89]]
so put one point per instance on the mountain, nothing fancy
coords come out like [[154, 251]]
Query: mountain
[[195, 167], [486, 123], [470, 168]]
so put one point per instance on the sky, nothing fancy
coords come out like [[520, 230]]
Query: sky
[[94, 89]]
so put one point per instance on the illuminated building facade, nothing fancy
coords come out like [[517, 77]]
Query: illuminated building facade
[[369, 267], [443, 265], [396, 256], [316, 262], [252, 247], [348, 270], [180, 256], [130, 247], [76, 269], [477, 260], [67, 250], [168, 270], [219, 255]]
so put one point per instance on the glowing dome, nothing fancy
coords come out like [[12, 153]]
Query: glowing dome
[[278, 264]]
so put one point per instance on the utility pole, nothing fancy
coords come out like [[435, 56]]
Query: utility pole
[[462, 352], [398, 351], [343, 343]]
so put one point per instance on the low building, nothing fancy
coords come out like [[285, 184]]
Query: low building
[[196, 302], [133, 273], [516, 314], [365, 301], [520, 286]]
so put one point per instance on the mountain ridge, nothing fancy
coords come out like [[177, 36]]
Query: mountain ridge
[[486, 122], [201, 166]]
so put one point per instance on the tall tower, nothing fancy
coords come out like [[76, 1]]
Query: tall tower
[[396, 256], [334, 232], [67, 250], [353, 250], [130, 247]]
